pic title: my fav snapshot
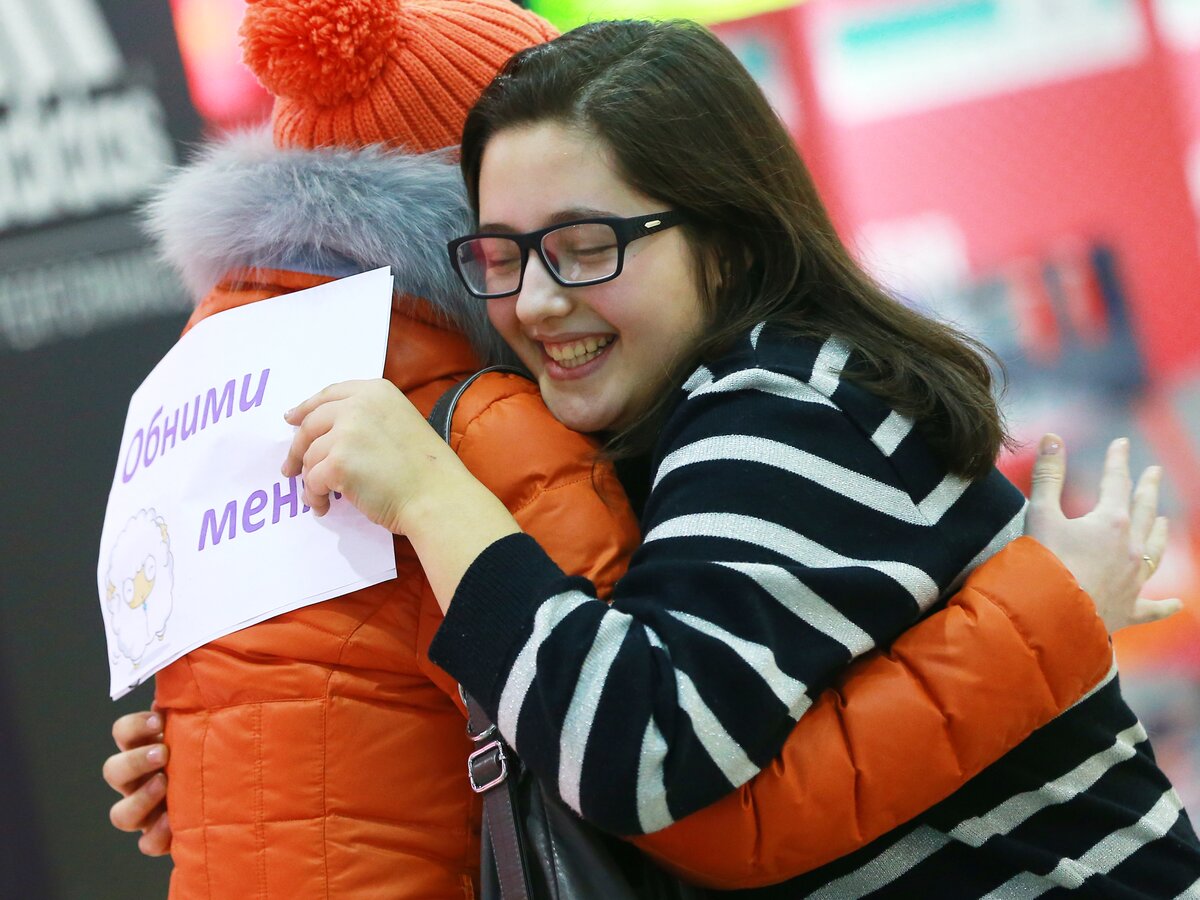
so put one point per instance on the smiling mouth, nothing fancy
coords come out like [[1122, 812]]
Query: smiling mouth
[[578, 353]]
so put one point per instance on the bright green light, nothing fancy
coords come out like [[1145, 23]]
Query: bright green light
[[569, 13]]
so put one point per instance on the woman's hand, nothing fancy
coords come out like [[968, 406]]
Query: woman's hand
[[1116, 547], [366, 441], [136, 773]]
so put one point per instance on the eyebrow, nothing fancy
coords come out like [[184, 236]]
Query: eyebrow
[[564, 215]]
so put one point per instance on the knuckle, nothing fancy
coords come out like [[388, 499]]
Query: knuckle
[[109, 771], [335, 465], [1046, 470], [1118, 521], [118, 816]]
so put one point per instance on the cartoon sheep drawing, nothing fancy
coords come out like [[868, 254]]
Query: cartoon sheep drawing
[[139, 583]]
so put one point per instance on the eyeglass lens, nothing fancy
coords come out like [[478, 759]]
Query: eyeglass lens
[[577, 254]]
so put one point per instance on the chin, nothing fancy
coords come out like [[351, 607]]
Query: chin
[[579, 417]]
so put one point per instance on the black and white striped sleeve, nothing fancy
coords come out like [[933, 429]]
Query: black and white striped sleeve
[[779, 545]]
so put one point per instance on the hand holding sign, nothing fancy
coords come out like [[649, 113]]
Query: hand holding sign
[[366, 441]]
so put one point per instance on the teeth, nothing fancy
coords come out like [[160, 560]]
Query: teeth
[[578, 360], [576, 354]]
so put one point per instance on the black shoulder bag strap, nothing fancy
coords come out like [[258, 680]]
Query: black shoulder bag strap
[[488, 767], [443, 411], [488, 772]]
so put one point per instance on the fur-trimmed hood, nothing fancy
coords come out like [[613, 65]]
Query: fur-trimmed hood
[[244, 203]]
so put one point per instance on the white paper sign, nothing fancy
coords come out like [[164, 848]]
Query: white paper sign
[[202, 535]]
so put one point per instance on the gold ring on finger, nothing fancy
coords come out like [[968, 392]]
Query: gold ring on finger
[[1151, 563]]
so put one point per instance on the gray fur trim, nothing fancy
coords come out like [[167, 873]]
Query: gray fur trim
[[244, 203]]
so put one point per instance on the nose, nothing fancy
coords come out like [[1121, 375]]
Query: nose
[[541, 297]]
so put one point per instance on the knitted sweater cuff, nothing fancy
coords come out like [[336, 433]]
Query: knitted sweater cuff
[[491, 615]]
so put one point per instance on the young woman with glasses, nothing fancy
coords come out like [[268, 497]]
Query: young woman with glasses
[[818, 478]]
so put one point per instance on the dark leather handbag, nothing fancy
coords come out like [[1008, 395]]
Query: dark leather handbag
[[533, 846]]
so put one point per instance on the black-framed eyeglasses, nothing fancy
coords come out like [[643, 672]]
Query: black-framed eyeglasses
[[578, 253]]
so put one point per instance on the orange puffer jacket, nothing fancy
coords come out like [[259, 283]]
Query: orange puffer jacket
[[320, 754]]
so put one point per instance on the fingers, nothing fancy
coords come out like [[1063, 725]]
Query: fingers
[[137, 729], [297, 414], [1156, 544], [1145, 611], [156, 840], [135, 811], [317, 487], [311, 427], [124, 772], [1116, 484], [135, 773], [1049, 472], [339, 391], [320, 474], [1145, 504]]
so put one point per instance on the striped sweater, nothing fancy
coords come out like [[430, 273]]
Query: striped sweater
[[794, 523]]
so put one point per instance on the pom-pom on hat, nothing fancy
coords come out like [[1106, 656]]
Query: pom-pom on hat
[[349, 73]]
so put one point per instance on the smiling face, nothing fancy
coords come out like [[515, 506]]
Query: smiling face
[[601, 354]]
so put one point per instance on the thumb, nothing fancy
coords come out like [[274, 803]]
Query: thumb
[[1049, 472], [1145, 611]]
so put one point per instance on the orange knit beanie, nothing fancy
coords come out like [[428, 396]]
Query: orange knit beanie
[[348, 73]]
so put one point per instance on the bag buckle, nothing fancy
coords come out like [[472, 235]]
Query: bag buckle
[[481, 758]]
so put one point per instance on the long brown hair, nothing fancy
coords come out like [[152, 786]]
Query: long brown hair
[[688, 126]]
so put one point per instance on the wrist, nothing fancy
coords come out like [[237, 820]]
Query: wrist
[[449, 522], [443, 484]]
